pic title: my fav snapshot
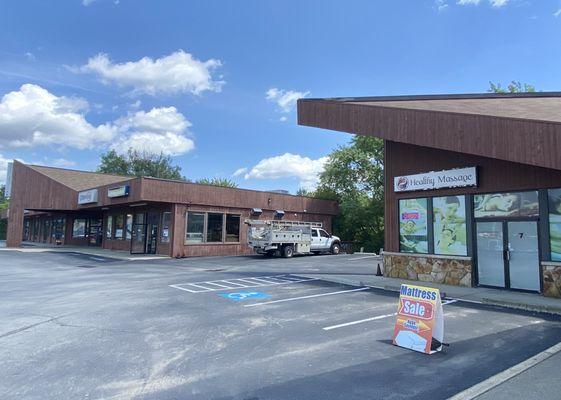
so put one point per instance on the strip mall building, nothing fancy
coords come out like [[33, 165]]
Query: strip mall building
[[144, 215], [472, 184]]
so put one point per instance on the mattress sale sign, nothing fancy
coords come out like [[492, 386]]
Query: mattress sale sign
[[419, 325]]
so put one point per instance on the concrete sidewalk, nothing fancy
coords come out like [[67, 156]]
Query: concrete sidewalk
[[29, 247], [504, 298]]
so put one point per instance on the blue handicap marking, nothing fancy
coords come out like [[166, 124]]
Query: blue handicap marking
[[241, 296]]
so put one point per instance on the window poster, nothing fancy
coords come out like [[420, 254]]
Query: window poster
[[522, 204], [554, 197], [450, 233], [413, 233]]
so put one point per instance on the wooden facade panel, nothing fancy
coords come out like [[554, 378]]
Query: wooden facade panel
[[190, 193], [517, 140], [493, 176]]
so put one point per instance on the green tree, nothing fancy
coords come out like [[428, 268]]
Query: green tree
[[4, 204], [354, 175], [139, 163], [224, 182], [512, 87]]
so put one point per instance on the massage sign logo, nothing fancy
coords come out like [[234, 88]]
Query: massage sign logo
[[419, 319], [402, 183]]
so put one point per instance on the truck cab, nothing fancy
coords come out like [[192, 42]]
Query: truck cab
[[324, 242]]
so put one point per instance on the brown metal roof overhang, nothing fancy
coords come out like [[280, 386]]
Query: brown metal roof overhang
[[522, 128]]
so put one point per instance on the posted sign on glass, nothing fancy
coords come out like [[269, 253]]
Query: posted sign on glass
[[449, 214], [413, 232]]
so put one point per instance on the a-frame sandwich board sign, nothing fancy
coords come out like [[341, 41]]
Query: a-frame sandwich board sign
[[420, 324]]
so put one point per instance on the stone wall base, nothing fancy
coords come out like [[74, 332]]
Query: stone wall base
[[437, 269], [551, 276]]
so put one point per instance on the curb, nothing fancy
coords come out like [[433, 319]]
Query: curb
[[492, 302]]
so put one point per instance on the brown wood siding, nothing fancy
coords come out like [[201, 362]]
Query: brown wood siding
[[190, 193], [32, 190], [493, 176], [522, 141]]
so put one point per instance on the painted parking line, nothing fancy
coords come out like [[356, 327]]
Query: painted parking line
[[236, 283], [360, 321], [306, 297]]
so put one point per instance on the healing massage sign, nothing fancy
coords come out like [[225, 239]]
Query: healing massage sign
[[419, 319]]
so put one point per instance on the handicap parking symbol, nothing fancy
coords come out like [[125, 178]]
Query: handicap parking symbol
[[241, 296]]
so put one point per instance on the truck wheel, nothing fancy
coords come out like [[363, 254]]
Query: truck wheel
[[335, 248], [287, 251]]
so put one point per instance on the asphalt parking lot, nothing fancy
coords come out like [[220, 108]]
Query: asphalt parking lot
[[248, 328]]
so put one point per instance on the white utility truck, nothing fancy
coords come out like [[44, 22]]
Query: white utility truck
[[286, 238]]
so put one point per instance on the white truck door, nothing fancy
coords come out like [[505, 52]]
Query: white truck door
[[316, 240], [325, 239]]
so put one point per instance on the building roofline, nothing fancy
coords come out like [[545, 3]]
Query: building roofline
[[79, 170], [232, 188], [451, 96]]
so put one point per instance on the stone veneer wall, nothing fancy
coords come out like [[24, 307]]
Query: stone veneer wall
[[426, 268], [551, 275]]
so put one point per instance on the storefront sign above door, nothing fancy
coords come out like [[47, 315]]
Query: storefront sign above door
[[459, 177], [120, 191], [87, 196]]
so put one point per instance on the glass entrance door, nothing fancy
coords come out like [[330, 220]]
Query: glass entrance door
[[523, 257], [138, 240], [490, 254], [508, 255]]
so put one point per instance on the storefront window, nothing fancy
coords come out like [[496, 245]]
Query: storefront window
[[109, 227], [554, 197], [232, 228], [413, 232], [195, 227], [449, 223], [79, 228], [166, 222], [119, 226], [128, 227], [521, 204], [46, 229], [214, 227]]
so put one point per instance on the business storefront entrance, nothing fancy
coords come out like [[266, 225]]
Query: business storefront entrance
[[145, 233], [508, 254]]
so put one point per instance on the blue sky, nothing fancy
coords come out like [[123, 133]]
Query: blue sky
[[213, 83]]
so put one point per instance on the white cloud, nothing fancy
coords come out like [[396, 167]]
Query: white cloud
[[284, 99], [178, 72], [160, 130], [283, 119], [29, 56], [494, 3], [62, 162], [33, 116], [289, 165], [557, 13], [87, 2], [240, 171], [3, 168]]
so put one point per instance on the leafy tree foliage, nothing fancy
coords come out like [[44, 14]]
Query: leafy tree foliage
[[136, 163], [224, 182], [513, 87], [4, 204], [354, 176]]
